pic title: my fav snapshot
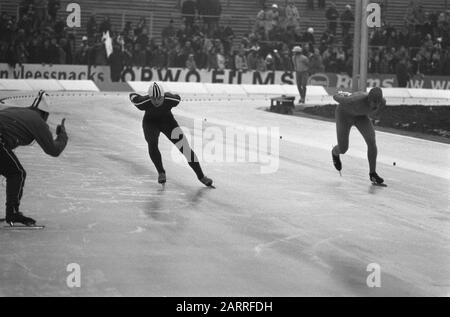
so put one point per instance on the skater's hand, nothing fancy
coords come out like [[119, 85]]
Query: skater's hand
[[376, 114], [61, 129]]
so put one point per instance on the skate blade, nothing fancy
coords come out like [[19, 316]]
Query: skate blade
[[23, 227], [212, 186], [379, 185]]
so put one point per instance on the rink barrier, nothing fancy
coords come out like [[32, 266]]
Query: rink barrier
[[191, 91]]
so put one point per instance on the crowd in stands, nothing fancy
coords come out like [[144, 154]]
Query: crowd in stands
[[36, 35], [203, 41], [420, 47]]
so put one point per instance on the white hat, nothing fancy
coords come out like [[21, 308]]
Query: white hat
[[310, 30], [42, 102], [297, 49], [84, 38], [156, 93]]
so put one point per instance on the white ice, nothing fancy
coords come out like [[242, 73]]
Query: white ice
[[302, 230]]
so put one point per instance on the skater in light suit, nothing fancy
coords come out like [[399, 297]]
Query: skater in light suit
[[354, 110]]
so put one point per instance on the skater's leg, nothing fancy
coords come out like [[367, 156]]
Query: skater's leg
[[365, 127], [343, 126], [173, 132], [15, 174], [304, 82], [298, 79], [151, 133]]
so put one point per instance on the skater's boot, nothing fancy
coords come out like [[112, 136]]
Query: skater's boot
[[206, 181], [162, 178], [336, 161], [374, 178], [13, 216]]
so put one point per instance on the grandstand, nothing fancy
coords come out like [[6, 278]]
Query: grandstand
[[238, 13]]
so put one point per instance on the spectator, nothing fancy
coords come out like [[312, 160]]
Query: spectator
[[105, 26], [65, 52], [330, 60], [168, 31], [281, 12], [240, 61], [332, 15], [141, 26], [275, 15], [252, 58], [260, 20], [277, 60], [308, 37], [142, 38], [92, 27], [159, 58], [212, 14], [260, 62], [26, 24], [11, 55], [139, 55], [49, 52], [184, 53], [298, 36], [40, 8], [127, 54], [269, 63], [62, 56], [286, 61], [116, 63], [402, 74], [268, 21], [221, 61], [292, 15], [82, 53], [53, 8], [190, 63], [301, 67], [33, 51], [340, 60], [316, 63], [326, 40], [188, 10], [347, 20], [310, 4]]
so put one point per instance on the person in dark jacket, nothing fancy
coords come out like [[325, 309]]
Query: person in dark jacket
[[332, 15], [21, 126], [159, 118], [401, 70], [347, 20], [355, 109]]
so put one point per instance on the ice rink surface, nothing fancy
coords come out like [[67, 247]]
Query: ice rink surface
[[300, 231]]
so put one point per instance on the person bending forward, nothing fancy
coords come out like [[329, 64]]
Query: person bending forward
[[159, 118]]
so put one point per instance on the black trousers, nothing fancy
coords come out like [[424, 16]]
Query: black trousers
[[15, 174], [170, 128]]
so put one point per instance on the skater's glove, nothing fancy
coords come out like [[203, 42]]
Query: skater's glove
[[376, 114], [61, 130]]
